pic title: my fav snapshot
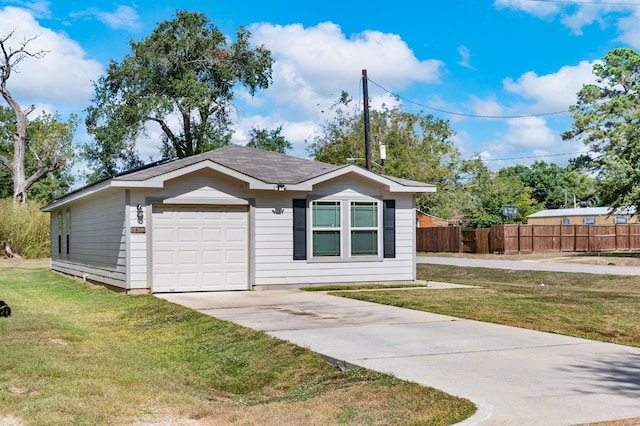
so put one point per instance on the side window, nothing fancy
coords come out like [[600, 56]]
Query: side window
[[325, 228], [59, 232], [620, 220], [68, 228], [565, 221], [589, 220], [364, 228]]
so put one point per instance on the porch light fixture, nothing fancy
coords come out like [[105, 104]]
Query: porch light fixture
[[280, 187]]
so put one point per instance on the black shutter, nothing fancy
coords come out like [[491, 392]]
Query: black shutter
[[299, 229], [389, 228]]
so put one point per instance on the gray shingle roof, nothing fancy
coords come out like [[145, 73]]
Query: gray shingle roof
[[269, 167]]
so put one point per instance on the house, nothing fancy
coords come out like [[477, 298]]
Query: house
[[583, 216], [237, 218], [425, 220]]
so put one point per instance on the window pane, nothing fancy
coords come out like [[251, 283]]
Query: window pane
[[326, 243], [364, 243], [364, 215], [326, 214]]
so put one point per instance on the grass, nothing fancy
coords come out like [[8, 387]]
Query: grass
[[76, 354], [597, 307]]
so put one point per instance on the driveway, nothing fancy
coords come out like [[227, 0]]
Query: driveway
[[515, 376]]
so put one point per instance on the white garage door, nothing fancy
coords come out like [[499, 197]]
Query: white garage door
[[200, 248]]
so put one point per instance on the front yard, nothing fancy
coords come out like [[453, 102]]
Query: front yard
[[76, 354]]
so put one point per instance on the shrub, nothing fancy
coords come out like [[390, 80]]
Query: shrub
[[27, 226]]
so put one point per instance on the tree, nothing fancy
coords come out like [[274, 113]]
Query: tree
[[493, 192], [269, 140], [553, 186], [185, 71], [607, 119], [36, 148], [418, 147]]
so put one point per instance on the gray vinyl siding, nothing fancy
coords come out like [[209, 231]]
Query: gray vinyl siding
[[97, 243], [274, 264]]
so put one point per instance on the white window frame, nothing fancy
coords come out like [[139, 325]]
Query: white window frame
[[620, 220], [345, 229], [314, 229], [376, 228], [589, 221]]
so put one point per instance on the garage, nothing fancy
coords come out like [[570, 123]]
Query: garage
[[198, 248]]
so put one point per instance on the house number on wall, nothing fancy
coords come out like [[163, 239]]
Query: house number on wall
[[138, 230]]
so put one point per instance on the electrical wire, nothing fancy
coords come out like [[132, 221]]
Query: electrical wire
[[498, 117], [530, 156], [607, 3]]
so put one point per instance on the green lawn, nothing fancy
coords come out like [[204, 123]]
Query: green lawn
[[77, 354], [598, 307]]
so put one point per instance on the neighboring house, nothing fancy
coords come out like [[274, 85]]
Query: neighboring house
[[425, 220], [583, 216], [237, 218]]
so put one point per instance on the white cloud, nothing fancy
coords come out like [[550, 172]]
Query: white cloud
[[539, 9], [313, 65], [486, 107], [576, 15], [62, 77], [124, 17], [530, 133], [630, 28], [465, 57], [552, 92]]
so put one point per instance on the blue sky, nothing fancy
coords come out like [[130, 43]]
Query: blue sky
[[502, 58]]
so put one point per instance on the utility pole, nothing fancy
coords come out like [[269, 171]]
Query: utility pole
[[367, 142]]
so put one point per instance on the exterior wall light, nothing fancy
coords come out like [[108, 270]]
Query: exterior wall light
[[280, 187]]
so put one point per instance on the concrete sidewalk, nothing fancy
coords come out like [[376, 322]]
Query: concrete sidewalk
[[515, 376], [529, 265]]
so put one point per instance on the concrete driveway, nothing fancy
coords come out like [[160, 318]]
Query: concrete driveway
[[515, 376]]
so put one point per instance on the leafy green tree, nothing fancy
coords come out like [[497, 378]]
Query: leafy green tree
[[494, 191], [607, 119], [186, 70], [553, 186], [418, 147], [269, 140]]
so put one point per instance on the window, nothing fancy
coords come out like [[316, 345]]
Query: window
[[68, 226], [326, 226], [344, 229], [565, 221], [364, 228], [59, 232], [589, 220], [620, 220]]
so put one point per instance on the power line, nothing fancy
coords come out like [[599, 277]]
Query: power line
[[608, 3], [530, 156], [501, 117]]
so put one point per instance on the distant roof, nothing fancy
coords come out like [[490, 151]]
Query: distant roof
[[583, 211]]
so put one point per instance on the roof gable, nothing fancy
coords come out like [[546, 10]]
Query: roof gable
[[260, 170]]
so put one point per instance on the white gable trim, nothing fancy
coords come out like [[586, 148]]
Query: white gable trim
[[159, 181], [391, 185]]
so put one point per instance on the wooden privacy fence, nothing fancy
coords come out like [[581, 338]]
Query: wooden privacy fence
[[513, 239]]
